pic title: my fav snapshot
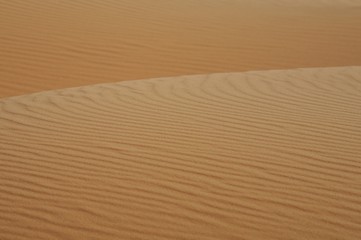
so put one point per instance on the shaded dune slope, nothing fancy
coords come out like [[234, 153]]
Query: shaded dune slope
[[57, 44], [256, 155]]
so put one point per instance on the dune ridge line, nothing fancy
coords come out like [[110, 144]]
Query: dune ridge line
[[59, 44], [254, 155]]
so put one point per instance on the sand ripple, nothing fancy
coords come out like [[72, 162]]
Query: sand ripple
[[257, 155], [69, 43]]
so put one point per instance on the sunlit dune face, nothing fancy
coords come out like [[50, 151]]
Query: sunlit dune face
[[258, 155], [244, 122]]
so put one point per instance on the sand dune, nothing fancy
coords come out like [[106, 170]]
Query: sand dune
[[256, 155], [58, 44]]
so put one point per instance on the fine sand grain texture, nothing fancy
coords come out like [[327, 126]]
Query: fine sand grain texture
[[257, 155], [51, 44]]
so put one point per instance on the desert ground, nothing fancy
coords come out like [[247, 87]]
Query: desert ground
[[68, 43], [182, 119]]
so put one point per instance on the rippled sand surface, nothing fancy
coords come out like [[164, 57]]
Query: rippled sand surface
[[257, 155], [56, 44], [213, 143]]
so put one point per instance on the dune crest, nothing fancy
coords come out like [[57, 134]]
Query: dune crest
[[257, 155], [59, 44]]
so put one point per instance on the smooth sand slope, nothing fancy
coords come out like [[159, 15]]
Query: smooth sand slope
[[52, 44], [258, 155]]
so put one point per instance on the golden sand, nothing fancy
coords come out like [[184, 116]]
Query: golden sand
[[239, 154], [56, 44], [258, 155]]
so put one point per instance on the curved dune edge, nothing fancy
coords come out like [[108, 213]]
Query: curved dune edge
[[257, 155], [58, 44]]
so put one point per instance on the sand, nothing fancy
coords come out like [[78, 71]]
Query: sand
[[58, 44], [255, 155], [216, 142]]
